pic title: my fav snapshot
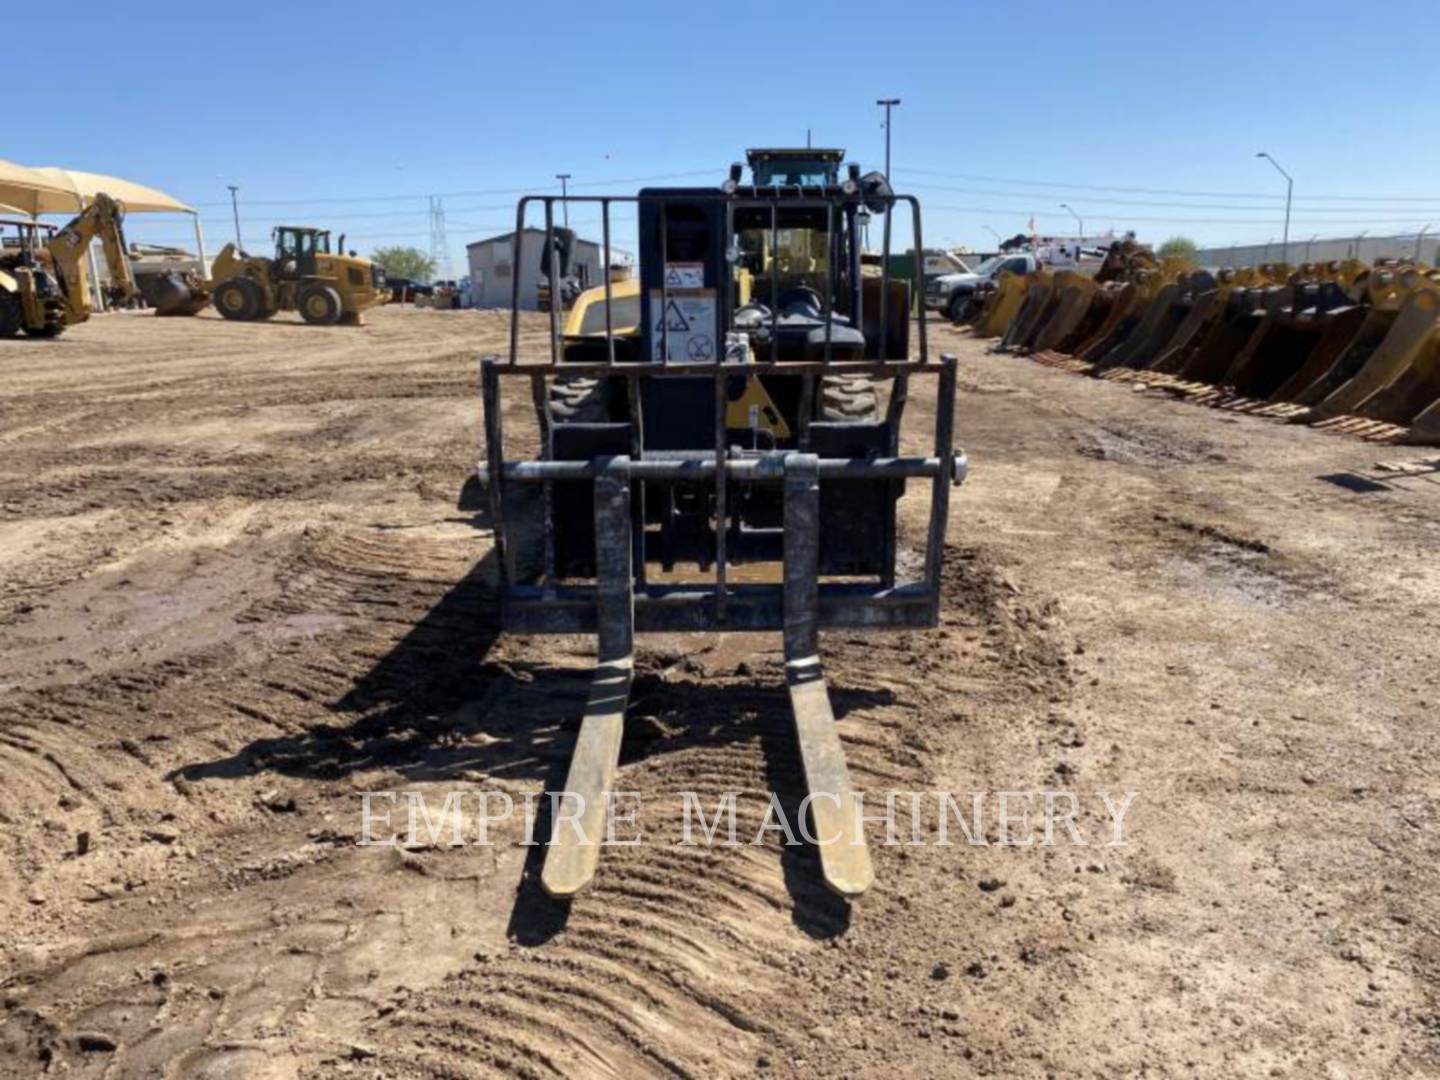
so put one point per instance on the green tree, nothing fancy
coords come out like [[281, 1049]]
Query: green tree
[[405, 262], [1182, 246]]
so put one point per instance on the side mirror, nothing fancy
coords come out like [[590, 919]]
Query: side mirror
[[876, 192], [564, 246]]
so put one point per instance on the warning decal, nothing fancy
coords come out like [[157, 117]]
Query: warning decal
[[684, 275], [688, 323]]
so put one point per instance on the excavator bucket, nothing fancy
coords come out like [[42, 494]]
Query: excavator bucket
[[1425, 428], [1342, 327], [1039, 291], [1404, 346], [1075, 292], [1001, 305], [1127, 305], [1211, 358], [1286, 336], [1161, 319], [1416, 389], [1207, 300]]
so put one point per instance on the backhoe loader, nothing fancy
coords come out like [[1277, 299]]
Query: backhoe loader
[[724, 409], [325, 287], [43, 281]]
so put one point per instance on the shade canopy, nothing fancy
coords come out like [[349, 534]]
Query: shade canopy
[[135, 198], [29, 191]]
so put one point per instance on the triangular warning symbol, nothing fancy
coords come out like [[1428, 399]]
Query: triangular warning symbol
[[673, 279], [672, 320]]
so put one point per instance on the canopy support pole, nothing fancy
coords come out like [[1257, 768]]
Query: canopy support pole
[[200, 247]]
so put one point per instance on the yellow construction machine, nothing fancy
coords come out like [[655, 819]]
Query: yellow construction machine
[[735, 410], [326, 287], [43, 278]]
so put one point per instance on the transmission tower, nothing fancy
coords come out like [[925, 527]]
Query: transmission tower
[[439, 246]]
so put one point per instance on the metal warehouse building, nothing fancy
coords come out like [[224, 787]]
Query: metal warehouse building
[[492, 268]]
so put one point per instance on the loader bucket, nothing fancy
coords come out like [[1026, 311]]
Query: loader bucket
[[1402, 347], [176, 293]]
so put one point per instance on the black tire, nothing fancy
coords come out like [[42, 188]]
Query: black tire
[[54, 324], [955, 309], [11, 314], [849, 399], [320, 305], [572, 399], [238, 300]]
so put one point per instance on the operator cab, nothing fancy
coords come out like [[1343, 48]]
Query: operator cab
[[296, 247], [795, 168], [23, 239]]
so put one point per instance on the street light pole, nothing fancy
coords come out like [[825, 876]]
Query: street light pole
[[1289, 191], [1081, 222], [564, 177], [889, 103], [996, 235], [235, 209]]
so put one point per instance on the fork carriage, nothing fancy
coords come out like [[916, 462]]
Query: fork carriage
[[739, 458]]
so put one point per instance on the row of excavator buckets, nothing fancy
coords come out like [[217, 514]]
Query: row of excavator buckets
[[1339, 345]]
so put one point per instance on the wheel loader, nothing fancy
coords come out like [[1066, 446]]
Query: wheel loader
[[720, 451], [325, 287], [44, 285]]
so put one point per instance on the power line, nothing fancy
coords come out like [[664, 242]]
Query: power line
[[1160, 203], [1072, 186], [1136, 218], [531, 190]]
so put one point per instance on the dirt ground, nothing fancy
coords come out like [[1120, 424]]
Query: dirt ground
[[237, 589]]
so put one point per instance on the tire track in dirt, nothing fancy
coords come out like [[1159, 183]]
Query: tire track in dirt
[[693, 949], [679, 959]]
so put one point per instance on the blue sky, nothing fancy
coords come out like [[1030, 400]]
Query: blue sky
[[349, 115]]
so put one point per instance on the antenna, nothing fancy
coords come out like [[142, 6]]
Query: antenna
[[439, 246]]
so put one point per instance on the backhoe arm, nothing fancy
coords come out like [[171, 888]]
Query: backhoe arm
[[102, 218]]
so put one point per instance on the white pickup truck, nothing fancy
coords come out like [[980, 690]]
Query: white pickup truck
[[950, 293]]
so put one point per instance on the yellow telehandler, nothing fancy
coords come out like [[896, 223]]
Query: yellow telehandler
[[43, 280]]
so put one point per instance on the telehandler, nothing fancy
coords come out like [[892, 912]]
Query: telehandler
[[724, 409], [44, 285]]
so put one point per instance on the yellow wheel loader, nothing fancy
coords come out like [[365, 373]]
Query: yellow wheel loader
[[43, 281], [326, 287]]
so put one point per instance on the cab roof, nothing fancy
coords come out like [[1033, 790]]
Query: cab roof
[[798, 153]]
